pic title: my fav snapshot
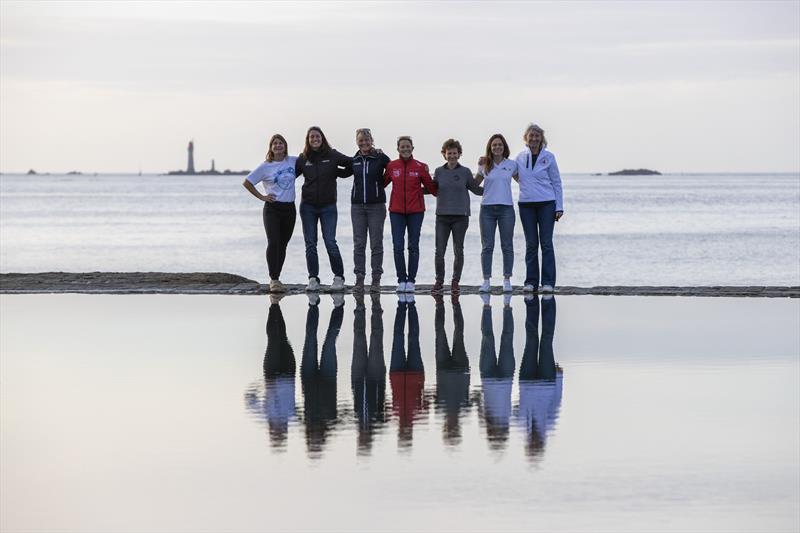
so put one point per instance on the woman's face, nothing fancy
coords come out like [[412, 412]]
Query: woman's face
[[497, 148], [278, 148], [533, 138], [452, 156], [405, 149], [364, 142], [314, 139]]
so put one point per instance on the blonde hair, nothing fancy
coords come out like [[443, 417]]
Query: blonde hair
[[535, 127]]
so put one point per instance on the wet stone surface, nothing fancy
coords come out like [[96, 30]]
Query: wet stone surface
[[223, 283]]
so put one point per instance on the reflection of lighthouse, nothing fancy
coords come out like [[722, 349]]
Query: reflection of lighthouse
[[190, 164]]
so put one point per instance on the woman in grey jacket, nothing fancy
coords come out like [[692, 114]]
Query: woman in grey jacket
[[452, 212]]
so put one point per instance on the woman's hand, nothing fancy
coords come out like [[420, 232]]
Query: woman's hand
[[271, 198], [559, 214], [482, 161]]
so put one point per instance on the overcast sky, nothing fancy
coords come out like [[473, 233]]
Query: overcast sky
[[675, 86]]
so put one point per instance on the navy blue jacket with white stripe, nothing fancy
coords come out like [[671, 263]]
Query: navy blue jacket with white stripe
[[368, 171]]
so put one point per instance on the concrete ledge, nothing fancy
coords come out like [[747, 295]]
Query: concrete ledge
[[222, 283]]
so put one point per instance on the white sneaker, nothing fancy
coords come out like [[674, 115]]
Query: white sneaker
[[528, 288], [338, 284], [507, 299], [338, 299], [313, 285], [507, 285], [410, 287], [547, 288], [485, 297], [485, 286], [410, 298], [401, 287], [313, 298]]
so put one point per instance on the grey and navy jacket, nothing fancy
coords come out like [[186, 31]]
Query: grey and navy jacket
[[320, 171], [368, 171]]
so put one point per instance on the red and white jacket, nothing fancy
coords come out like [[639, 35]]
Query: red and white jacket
[[407, 178]]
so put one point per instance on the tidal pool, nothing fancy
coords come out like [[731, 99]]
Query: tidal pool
[[238, 413]]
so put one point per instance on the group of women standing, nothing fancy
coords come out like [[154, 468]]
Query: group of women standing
[[534, 169]]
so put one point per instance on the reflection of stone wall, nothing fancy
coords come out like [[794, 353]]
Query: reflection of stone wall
[[222, 283]]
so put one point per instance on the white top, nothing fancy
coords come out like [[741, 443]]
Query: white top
[[497, 184], [278, 178], [540, 182]]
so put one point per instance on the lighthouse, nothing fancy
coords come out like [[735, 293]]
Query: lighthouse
[[190, 164]]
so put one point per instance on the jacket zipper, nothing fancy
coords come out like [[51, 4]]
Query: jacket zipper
[[364, 170]]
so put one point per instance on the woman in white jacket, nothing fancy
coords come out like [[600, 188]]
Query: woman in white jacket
[[541, 204]]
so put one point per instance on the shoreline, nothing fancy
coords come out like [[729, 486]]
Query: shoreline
[[223, 283]]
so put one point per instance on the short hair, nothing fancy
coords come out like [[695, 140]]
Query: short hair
[[535, 127], [270, 155], [450, 144], [404, 138]]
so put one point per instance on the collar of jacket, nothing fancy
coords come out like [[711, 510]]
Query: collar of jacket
[[316, 155], [373, 154]]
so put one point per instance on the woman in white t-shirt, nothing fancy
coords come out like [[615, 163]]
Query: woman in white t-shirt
[[497, 208], [278, 175]]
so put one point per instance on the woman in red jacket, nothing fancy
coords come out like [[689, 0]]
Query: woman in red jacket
[[407, 209]]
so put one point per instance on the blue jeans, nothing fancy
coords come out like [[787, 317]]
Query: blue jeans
[[538, 360], [538, 220], [326, 216], [401, 222], [492, 217]]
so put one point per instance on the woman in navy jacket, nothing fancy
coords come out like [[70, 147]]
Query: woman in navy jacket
[[368, 209]]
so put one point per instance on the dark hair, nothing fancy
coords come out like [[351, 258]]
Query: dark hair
[[490, 155], [449, 144], [270, 155], [324, 149], [405, 138]]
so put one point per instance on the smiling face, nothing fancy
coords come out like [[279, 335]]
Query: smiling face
[[315, 139], [497, 148], [278, 148], [405, 149], [452, 155], [364, 142], [533, 138]]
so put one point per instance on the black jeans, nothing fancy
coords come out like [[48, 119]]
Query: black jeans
[[445, 224], [279, 219]]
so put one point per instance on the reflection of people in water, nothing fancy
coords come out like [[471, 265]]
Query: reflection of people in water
[[540, 379], [452, 370], [275, 402], [407, 373], [319, 378], [497, 374], [368, 371]]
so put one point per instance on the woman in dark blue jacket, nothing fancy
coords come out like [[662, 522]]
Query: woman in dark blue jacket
[[368, 209]]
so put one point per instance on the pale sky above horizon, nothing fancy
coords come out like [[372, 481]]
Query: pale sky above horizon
[[674, 86]]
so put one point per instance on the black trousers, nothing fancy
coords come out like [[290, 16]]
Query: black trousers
[[279, 219]]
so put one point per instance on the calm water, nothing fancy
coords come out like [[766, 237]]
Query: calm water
[[170, 413], [708, 229]]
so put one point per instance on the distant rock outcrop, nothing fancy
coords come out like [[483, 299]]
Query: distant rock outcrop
[[635, 172]]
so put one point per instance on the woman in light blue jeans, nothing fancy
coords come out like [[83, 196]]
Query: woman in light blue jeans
[[497, 208]]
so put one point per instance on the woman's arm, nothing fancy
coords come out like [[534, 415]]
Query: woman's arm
[[344, 165], [479, 175], [252, 188], [427, 181], [555, 180]]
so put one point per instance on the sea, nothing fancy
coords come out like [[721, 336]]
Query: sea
[[673, 229]]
